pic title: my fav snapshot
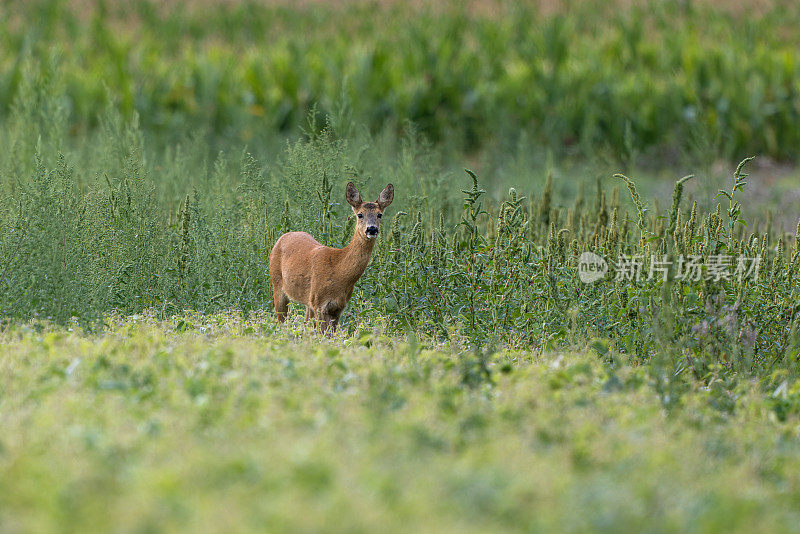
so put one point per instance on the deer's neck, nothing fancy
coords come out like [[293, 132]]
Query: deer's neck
[[355, 256]]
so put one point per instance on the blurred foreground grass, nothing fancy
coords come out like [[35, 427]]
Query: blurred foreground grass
[[214, 426]]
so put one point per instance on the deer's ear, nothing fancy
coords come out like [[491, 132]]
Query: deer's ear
[[386, 196], [353, 196]]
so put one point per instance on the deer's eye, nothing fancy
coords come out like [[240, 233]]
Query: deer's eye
[[360, 215], [380, 215]]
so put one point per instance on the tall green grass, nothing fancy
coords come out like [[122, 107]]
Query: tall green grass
[[109, 224], [117, 199]]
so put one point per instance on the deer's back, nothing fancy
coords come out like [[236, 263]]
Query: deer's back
[[294, 249]]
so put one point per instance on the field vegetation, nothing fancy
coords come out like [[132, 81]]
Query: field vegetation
[[152, 153], [154, 428]]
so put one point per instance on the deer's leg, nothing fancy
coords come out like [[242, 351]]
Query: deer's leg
[[323, 321], [309, 313], [281, 305], [323, 318], [279, 298], [328, 317], [335, 312]]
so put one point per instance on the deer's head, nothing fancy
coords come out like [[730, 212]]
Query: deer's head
[[369, 214]]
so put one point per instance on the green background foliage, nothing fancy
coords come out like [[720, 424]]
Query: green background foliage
[[655, 77]]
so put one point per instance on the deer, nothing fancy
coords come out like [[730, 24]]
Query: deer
[[322, 278]]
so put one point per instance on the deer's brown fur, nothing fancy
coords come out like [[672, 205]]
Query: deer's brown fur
[[320, 277]]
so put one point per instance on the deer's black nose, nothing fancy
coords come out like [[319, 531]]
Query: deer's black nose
[[372, 230]]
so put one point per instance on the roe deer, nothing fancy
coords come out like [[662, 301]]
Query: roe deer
[[322, 278]]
